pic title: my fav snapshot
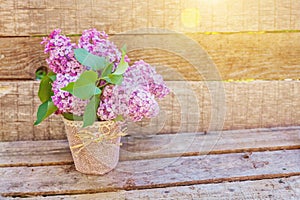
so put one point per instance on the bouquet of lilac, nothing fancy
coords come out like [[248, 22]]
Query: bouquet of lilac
[[93, 81]]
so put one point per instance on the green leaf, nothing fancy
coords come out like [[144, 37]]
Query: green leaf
[[69, 87], [40, 73], [44, 111], [122, 66], [90, 60], [52, 76], [85, 86], [45, 89], [114, 79], [107, 70], [124, 49], [72, 117], [90, 113], [118, 118]]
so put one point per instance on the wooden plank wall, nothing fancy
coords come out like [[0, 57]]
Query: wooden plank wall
[[270, 56], [242, 55], [192, 106], [30, 17], [202, 41]]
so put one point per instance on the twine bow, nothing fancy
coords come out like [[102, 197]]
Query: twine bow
[[107, 132]]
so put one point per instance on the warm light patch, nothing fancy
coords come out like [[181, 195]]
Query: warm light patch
[[190, 17], [216, 1]]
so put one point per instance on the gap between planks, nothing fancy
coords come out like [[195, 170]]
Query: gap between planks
[[57, 152], [100, 192], [150, 187], [285, 188]]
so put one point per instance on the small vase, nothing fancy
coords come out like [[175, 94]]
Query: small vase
[[95, 149]]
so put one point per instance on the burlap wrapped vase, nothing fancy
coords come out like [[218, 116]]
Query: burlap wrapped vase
[[95, 149]]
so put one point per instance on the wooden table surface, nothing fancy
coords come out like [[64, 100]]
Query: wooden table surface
[[240, 164]]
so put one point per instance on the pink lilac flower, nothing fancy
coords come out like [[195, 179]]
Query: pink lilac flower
[[107, 108], [134, 99], [78, 106], [131, 104], [142, 73], [63, 100], [98, 44], [61, 56], [157, 87], [142, 104]]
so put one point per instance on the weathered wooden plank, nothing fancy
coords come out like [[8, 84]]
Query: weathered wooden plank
[[258, 56], [19, 18], [153, 173], [187, 144], [180, 57], [57, 152], [280, 189], [35, 153], [20, 57], [191, 107], [19, 105]]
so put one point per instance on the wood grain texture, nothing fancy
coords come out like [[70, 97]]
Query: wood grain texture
[[280, 189], [19, 104], [21, 18], [191, 107], [152, 173], [271, 56], [57, 152], [20, 58]]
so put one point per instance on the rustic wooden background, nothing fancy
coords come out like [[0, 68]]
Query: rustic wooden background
[[30, 17], [233, 39]]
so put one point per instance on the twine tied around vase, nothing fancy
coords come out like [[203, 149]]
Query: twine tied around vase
[[106, 131]]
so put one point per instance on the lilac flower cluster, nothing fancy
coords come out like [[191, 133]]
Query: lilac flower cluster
[[135, 98], [142, 73], [63, 62], [64, 101], [107, 109], [98, 44], [61, 55], [142, 104]]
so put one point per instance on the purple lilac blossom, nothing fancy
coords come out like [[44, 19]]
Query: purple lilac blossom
[[98, 44], [62, 61], [63, 100], [61, 55], [142, 73], [132, 104], [142, 104], [107, 108], [134, 99]]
